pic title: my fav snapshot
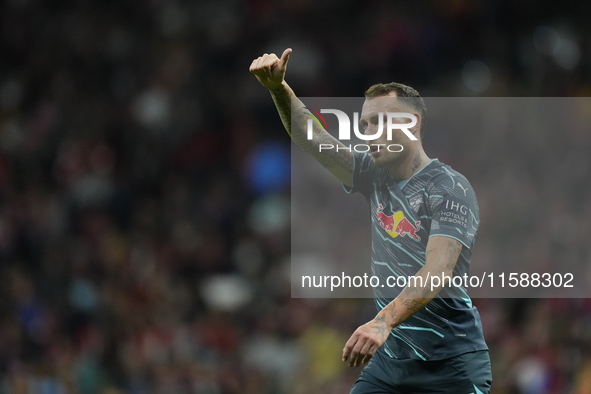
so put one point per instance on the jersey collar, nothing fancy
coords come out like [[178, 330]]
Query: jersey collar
[[403, 183]]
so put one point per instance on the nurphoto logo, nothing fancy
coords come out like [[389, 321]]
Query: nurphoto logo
[[394, 120]]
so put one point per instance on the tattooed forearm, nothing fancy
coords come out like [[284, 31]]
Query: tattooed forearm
[[391, 315], [296, 124], [282, 98], [416, 292], [382, 326], [331, 157], [440, 257], [413, 305], [410, 301], [401, 309]]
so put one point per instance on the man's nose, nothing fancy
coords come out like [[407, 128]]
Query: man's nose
[[367, 132], [370, 130]]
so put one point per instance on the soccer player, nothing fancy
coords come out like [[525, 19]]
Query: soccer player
[[424, 219]]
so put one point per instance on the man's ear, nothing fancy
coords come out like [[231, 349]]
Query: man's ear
[[416, 129]]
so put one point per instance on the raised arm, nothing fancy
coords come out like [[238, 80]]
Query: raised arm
[[441, 257], [270, 71]]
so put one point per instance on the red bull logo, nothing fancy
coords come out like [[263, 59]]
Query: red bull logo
[[397, 224]]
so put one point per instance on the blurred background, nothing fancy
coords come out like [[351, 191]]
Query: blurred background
[[145, 187]]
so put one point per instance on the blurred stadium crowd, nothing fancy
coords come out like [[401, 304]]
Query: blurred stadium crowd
[[144, 187]]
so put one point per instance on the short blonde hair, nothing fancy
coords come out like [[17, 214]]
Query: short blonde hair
[[410, 96]]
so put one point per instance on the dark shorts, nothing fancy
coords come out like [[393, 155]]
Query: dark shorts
[[464, 374]]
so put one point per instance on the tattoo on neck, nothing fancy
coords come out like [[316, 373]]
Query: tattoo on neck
[[417, 162]]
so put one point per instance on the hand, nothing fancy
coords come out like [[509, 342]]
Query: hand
[[365, 341], [270, 70]]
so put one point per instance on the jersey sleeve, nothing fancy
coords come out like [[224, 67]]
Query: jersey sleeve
[[365, 173], [454, 210]]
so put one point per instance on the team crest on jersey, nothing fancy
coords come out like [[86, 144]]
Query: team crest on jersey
[[397, 224], [415, 202]]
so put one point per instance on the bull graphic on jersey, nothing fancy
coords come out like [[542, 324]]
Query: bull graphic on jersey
[[397, 224]]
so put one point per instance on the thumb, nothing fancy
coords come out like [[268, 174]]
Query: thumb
[[285, 58]]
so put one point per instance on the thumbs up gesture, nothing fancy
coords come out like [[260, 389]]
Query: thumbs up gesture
[[270, 70]]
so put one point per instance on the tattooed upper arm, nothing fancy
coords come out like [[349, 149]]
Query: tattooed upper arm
[[443, 252]]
